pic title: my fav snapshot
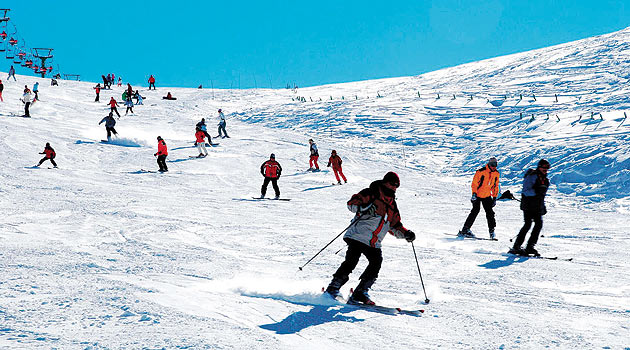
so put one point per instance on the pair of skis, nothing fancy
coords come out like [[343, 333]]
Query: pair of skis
[[388, 310]]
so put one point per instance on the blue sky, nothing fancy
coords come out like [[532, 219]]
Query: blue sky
[[271, 43]]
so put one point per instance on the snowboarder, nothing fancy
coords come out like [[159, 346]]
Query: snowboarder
[[97, 88], [49, 155], [129, 104], [110, 122], [271, 170], [535, 185], [202, 125], [35, 91], [11, 74], [151, 82], [314, 156], [222, 124], [53, 82], [335, 161], [1, 89], [138, 98], [113, 104], [161, 154], [26, 98], [485, 189], [169, 97], [376, 214], [201, 143]]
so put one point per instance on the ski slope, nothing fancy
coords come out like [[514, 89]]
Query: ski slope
[[99, 255]]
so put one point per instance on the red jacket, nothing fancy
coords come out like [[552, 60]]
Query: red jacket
[[50, 153], [201, 137], [271, 169], [98, 90], [335, 161], [113, 103], [151, 79], [162, 151]]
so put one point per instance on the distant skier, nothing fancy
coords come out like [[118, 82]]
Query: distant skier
[[201, 143], [49, 155], [314, 156], [113, 104], [271, 170], [535, 185], [129, 90], [120, 81], [202, 125], [110, 122], [161, 154], [336, 161], [138, 98], [222, 124], [376, 214], [97, 88], [11, 74], [26, 99], [36, 91], [129, 104], [105, 82], [53, 82], [151, 82], [485, 189], [1, 89]]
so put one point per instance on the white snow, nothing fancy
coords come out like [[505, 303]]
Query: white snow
[[98, 255]]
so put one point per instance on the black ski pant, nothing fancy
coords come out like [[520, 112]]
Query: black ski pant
[[26, 106], [52, 160], [487, 207], [96, 99], [529, 216], [355, 249], [129, 109], [110, 130], [222, 127], [274, 183], [161, 160], [113, 109], [151, 84], [36, 95]]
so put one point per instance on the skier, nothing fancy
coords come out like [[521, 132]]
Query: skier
[[271, 170], [35, 91], [129, 104], [376, 214], [138, 98], [335, 161], [110, 122], [1, 89], [161, 154], [129, 89], [97, 88], [201, 143], [202, 125], [11, 74], [485, 189], [314, 156], [26, 98], [222, 124], [120, 81], [535, 185], [49, 155], [53, 82], [105, 82], [151, 82], [113, 104]]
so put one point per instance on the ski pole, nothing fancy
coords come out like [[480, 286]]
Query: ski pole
[[426, 300], [329, 243]]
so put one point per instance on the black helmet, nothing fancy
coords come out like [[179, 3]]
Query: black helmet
[[272, 156]]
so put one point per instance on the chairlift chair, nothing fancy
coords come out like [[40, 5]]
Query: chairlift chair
[[3, 35], [13, 41]]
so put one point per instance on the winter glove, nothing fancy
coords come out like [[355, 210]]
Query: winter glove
[[155, 154], [353, 208], [473, 198], [410, 236], [369, 210], [494, 201]]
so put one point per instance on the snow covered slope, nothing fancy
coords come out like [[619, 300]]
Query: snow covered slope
[[99, 255]]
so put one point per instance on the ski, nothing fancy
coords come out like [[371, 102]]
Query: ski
[[477, 238], [196, 157], [272, 199], [542, 257], [387, 309]]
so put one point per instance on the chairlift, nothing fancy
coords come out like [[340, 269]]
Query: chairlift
[[42, 70], [13, 41], [21, 55], [3, 35], [35, 68], [29, 63], [4, 18]]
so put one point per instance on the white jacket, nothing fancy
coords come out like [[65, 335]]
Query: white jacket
[[26, 97]]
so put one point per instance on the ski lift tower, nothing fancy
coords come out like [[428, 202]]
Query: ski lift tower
[[43, 54]]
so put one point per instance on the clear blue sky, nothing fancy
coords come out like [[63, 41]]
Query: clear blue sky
[[187, 43]]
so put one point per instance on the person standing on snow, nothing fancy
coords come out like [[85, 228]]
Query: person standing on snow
[[110, 122], [97, 88], [26, 98], [485, 189], [120, 81], [151, 82], [376, 214], [335, 161], [129, 90], [314, 156], [113, 104], [138, 98], [161, 154], [535, 185], [11, 74], [105, 82], [49, 155], [129, 104], [271, 170], [201, 143], [1, 89], [222, 124]]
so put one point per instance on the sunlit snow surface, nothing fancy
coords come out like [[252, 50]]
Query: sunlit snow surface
[[100, 255]]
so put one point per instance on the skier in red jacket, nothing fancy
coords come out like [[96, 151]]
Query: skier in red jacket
[[271, 170], [151, 82], [113, 104], [161, 154], [49, 155], [335, 161], [201, 143]]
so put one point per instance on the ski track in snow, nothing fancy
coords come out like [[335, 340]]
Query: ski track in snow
[[99, 255]]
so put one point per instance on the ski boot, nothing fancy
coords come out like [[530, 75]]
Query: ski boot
[[335, 285], [360, 295], [338, 182], [465, 232], [492, 235], [517, 251], [531, 251]]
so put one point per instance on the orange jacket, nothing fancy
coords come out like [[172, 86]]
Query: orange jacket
[[485, 183]]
